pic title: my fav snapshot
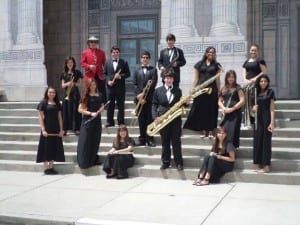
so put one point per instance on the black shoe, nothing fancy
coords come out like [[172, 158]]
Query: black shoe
[[151, 143], [164, 166], [179, 167], [97, 163], [52, 171], [109, 125], [47, 171], [111, 176], [140, 143]]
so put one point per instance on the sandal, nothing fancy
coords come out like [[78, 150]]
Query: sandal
[[197, 181], [204, 182]]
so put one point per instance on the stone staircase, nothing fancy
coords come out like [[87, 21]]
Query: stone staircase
[[19, 135]]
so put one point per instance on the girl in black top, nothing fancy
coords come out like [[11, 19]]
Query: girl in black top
[[70, 81], [231, 99], [119, 158], [219, 161], [50, 147]]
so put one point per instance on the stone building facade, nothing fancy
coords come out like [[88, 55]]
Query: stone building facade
[[61, 28]]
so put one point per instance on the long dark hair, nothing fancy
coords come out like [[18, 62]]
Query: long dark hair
[[204, 57], [86, 91], [118, 137], [215, 147], [46, 98], [66, 69], [258, 80], [226, 84]]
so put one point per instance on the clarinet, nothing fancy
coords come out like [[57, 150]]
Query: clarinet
[[92, 118]]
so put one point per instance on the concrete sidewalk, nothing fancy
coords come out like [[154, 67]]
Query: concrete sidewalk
[[33, 198]]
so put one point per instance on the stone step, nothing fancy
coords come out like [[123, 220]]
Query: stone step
[[143, 159], [187, 150], [280, 104], [134, 130], [292, 178], [185, 139]]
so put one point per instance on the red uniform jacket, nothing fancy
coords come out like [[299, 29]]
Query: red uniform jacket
[[93, 57]]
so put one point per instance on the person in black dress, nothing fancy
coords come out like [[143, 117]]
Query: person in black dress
[[218, 162], [91, 106], [231, 100], [116, 71], [203, 115], [120, 157], [50, 146], [70, 81], [171, 57], [264, 109], [142, 75], [164, 98], [252, 69]]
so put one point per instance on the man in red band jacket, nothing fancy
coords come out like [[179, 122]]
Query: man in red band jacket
[[92, 61]]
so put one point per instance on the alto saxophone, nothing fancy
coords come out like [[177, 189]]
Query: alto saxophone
[[139, 106], [178, 109]]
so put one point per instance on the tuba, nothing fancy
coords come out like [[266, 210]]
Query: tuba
[[139, 106], [178, 109]]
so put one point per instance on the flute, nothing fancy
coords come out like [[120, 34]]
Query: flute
[[92, 118], [255, 102]]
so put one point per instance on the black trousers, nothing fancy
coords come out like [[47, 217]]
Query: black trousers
[[215, 167], [171, 134], [101, 84], [145, 118], [119, 98]]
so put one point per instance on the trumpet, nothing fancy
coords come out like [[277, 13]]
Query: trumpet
[[69, 89], [138, 108], [115, 77]]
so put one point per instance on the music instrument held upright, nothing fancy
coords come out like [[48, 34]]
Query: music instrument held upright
[[169, 66], [115, 77], [139, 106], [69, 88], [178, 109]]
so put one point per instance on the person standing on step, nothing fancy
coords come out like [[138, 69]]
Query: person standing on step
[[50, 146], [120, 157], [262, 143], [116, 70], [92, 61], [145, 77], [91, 106], [70, 81], [253, 67], [164, 98], [231, 100], [218, 162], [171, 57]]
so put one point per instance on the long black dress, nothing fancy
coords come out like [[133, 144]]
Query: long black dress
[[90, 135], [204, 111], [217, 167], [119, 162], [232, 121], [51, 147], [71, 116], [262, 137]]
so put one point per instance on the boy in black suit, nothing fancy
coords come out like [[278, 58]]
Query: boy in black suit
[[116, 71], [164, 98], [173, 55], [142, 75]]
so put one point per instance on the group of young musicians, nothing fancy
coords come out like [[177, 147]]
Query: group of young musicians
[[109, 78]]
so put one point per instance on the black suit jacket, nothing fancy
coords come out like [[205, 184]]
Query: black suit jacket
[[140, 81], [160, 103], [164, 61], [109, 73]]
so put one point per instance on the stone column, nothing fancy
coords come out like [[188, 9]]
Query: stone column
[[27, 22], [224, 18], [182, 18], [5, 32]]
